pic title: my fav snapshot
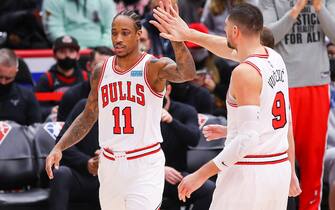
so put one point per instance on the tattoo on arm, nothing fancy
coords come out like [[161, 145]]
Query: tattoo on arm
[[184, 68], [154, 60], [184, 60], [85, 121]]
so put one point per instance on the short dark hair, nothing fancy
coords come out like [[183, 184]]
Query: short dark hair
[[133, 15], [248, 17], [102, 50]]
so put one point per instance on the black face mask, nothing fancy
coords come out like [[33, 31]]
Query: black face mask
[[5, 89], [67, 63]]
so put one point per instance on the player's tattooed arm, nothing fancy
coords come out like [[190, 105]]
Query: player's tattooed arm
[[85, 121], [180, 71], [79, 128]]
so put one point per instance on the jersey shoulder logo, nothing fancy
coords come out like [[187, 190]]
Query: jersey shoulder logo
[[136, 73]]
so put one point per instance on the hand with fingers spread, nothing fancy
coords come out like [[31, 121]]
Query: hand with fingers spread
[[169, 23], [172, 176], [213, 132], [53, 160], [189, 184], [295, 189]]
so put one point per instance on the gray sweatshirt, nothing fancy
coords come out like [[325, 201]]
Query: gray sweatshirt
[[301, 42]]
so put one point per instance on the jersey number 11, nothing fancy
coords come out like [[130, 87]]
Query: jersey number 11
[[128, 127]]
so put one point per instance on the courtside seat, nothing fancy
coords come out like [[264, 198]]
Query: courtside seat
[[44, 141], [28, 198], [18, 177]]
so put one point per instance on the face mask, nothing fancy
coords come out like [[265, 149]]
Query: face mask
[[5, 89], [66, 63]]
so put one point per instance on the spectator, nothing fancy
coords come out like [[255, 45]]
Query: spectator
[[180, 130], [81, 90], [20, 25], [87, 21], [76, 179], [299, 29], [16, 103], [63, 74]]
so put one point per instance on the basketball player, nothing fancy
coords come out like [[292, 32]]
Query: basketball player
[[253, 169], [127, 96]]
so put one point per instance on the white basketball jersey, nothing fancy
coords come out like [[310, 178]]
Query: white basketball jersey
[[129, 110], [274, 104]]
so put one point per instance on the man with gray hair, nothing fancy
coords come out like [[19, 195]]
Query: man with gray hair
[[16, 103]]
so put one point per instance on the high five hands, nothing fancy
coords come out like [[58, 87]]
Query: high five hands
[[169, 23]]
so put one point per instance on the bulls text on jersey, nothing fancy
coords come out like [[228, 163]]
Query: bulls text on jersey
[[114, 91]]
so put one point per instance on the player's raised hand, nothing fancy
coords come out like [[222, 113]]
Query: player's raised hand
[[169, 23], [295, 189], [189, 184], [212, 132], [53, 159]]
